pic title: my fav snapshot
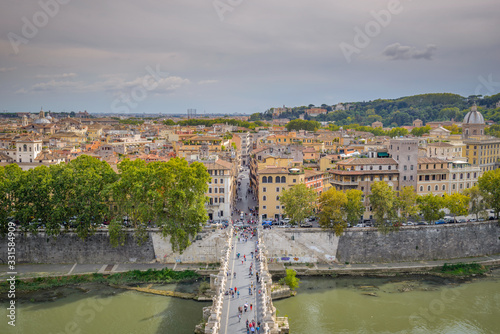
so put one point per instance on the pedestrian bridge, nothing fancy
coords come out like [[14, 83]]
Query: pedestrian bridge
[[234, 273]]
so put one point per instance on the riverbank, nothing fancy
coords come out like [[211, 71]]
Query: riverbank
[[117, 280]]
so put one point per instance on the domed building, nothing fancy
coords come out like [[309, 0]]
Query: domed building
[[42, 119], [473, 124]]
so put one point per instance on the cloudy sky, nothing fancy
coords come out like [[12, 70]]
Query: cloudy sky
[[241, 56]]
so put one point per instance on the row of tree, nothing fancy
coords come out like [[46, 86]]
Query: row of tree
[[390, 209], [87, 192]]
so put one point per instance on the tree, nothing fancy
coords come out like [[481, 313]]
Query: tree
[[169, 122], [489, 185], [299, 202], [407, 202], [291, 280], [382, 202], [355, 206], [332, 210], [430, 206], [457, 203], [9, 178], [300, 124], [89, 199], [179, 199], [476, 203]]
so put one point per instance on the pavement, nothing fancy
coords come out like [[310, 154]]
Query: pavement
[[230, 322]]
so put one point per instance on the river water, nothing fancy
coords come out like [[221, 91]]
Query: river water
[[417, 305], [322, 305]]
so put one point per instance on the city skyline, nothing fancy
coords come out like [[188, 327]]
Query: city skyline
[[240, 56]]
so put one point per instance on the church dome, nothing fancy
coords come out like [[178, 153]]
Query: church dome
[[42, 121], [473, 117]]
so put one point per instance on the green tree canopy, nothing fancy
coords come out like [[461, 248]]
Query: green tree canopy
[[299, 202], [457, 203], [489, 185], [406, 202], [332, 210], [382, 200], [430, 206], [355, 206]]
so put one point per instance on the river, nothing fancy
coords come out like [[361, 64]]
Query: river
[[323, 305], [393, 305]]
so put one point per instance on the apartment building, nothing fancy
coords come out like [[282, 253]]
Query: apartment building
[[361, 173], [272, 182]]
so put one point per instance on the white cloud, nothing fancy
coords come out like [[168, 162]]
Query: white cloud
[[397, 51], [7, 69], [56, 76], [207, 82]]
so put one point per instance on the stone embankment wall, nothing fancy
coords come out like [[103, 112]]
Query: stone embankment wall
[[68, 248], [299, 245], [420, 243], [367, 245]]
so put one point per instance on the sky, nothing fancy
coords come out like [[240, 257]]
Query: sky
[[240, 56]]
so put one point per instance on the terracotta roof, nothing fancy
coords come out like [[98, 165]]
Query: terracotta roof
[[431, 161], [273, 170], [368, 161], [219, 164]]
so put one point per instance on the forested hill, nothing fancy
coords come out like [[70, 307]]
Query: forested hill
[[398, 112]]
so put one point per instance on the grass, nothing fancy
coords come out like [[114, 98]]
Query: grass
[[130, 277], [463, 269]]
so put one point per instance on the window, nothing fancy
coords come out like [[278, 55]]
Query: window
[[404, 178], [283, 179], [277, 206], [362, 188], [209, 190], [221, 181], [215, 200], [264, 198], [270, 179], [389, 167], [294, 180], [371, 178], [436, 188], [379, 167], [221, 200], [371, 167], [215, 172], [390, 177], [277, 198], [264, 189], [454, 187], [277, 189], [264, 179], [411, 177], [221, 190], [454, 176], [428, 188], [405, 167], [411, 167], [421, 188], [215, 190], [264, 207], [278, 179], [444, 187], [215, 181], [408, 158]]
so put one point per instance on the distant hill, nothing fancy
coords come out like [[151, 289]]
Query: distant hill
[[398, 112]]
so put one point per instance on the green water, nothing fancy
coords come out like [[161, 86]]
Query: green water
[[322, 305], [105, 310], [362, 305]]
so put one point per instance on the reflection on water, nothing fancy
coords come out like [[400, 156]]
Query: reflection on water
[[105, 310], [322, 306], [374, 305]]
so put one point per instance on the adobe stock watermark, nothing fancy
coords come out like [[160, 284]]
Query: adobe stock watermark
[[127, 101], [86, 312], [436, 307], [221, 7], [363, 37], [487, 84], [30, 28]]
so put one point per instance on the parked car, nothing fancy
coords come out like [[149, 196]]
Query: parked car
[[439, 222], [462, 220], [306, 225], [422, 223]]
